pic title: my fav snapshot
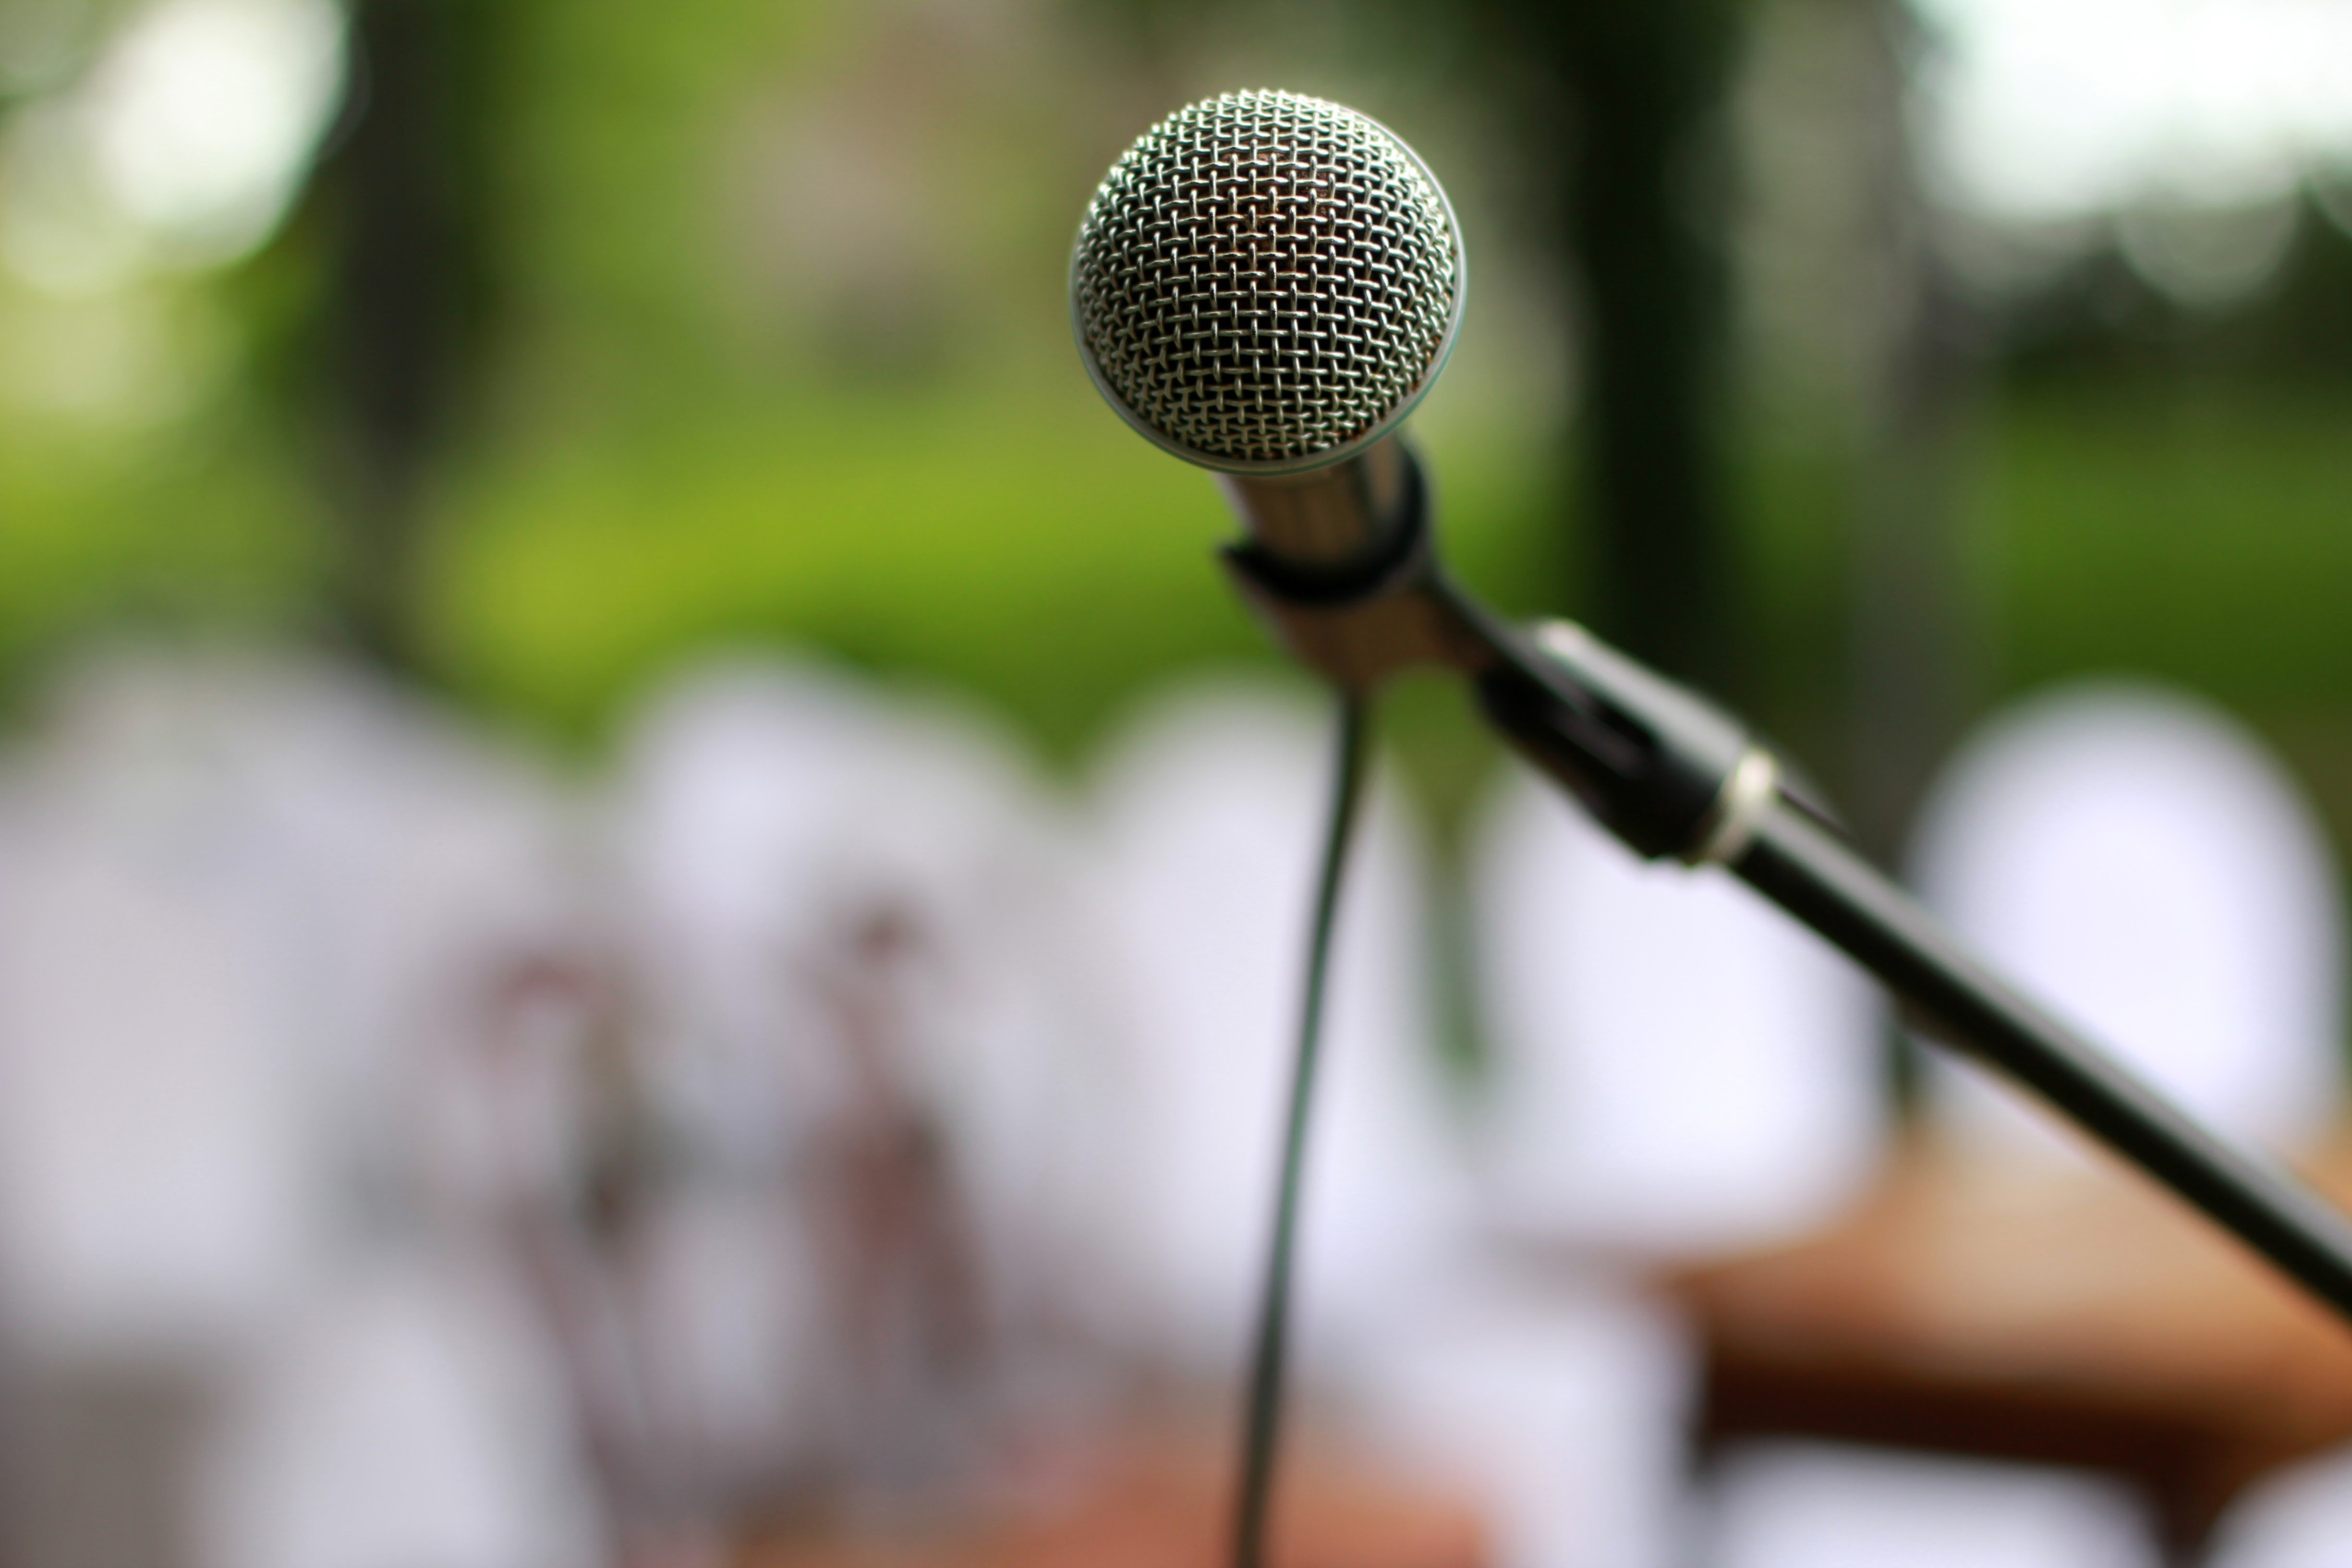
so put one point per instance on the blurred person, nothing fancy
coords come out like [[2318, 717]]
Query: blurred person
[[2139, 859], [1556, 1415], [1209, 807], [2135, 858], [1675, 1068], [435, 1400], [867, 1005], [243, 891]]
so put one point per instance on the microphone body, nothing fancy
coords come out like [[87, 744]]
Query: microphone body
[[1333, 519]]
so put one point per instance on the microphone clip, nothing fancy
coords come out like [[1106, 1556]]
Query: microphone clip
[[1660, 767], [1358, 623]]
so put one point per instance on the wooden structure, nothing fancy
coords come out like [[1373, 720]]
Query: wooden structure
[[2081, 1318]]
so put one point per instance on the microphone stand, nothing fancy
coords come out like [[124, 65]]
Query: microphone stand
[[1669, 774]]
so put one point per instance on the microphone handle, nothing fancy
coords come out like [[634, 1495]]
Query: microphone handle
[[1670, 774], [1330, 521]]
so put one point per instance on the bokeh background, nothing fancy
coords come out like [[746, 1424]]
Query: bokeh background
[[533, 349], [1869, 364]]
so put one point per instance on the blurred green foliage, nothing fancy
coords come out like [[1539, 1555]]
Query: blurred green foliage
[[1032, 549], [779, 354], [785, 358], [2200, 533], [188, 528]]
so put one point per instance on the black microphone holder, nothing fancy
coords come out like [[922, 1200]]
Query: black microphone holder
[[1671, 774]]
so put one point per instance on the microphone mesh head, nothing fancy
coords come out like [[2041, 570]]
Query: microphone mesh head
[[1265, 280]]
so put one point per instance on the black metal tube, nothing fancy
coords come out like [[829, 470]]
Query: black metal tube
[[1816, 878]]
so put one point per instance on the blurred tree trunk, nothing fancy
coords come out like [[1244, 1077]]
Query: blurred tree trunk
[[401, 192], [1912, 638], [1633, 95]]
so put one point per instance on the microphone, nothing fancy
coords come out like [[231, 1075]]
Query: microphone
[[1265, 284]]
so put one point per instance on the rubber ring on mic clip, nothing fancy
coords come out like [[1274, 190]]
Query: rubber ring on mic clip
[[1739, 810]]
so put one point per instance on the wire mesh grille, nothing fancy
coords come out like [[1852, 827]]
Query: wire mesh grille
[[1265, 277]]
